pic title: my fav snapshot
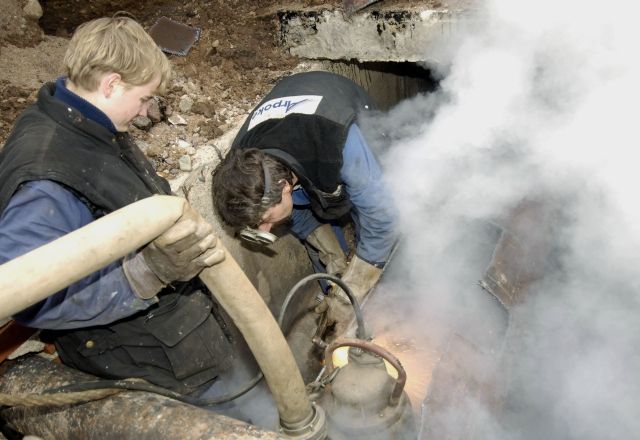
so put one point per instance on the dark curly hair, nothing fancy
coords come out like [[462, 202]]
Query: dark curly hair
[[238, 186]]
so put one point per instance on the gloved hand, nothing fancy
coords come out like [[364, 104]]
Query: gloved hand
[[179, 254], [182, 251], [360, 276], [339, 315], [329, 250]]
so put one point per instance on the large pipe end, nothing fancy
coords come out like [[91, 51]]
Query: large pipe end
[[313, 427]]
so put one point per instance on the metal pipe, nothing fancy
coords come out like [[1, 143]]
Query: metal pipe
[[34, 276], [44, 271]]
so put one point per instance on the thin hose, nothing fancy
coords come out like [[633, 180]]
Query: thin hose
[[361, 332], [144, 386], [136, 385]]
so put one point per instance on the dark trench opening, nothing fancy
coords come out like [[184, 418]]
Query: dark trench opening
[[387, 82]]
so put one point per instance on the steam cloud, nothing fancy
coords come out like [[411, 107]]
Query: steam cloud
[[537, 99]]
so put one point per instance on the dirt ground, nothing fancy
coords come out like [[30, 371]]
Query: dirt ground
[[236, 60]]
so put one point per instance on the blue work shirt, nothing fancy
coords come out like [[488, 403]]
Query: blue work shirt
[[41, 211], [373, 212]]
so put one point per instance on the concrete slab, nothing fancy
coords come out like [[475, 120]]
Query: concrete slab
[[386, 31]]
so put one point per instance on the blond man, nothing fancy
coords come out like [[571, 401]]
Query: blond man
[[70, 160]]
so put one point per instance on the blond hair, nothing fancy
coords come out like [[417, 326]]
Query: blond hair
[[119, 45]]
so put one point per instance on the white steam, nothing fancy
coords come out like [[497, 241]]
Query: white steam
[[540, 101]]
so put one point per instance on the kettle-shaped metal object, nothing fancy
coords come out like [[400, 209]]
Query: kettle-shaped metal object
[[363, 400]]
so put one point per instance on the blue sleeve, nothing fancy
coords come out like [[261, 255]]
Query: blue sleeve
[[303, 222], [373, 212], [40, 212]]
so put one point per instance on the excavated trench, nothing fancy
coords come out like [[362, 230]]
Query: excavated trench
[[384, 48]]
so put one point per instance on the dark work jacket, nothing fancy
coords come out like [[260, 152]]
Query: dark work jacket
[[177, 343], [309, 139]]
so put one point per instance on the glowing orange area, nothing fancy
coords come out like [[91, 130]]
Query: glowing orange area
[[340, 357], [417, 361]]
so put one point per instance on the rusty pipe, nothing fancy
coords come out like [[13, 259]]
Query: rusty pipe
[[23, 282]]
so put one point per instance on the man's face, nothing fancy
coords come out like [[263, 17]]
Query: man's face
[[126, 102], [279, 213]]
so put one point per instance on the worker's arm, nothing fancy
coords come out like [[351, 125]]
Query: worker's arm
[[373, 209], [303, 221], [40, 212]]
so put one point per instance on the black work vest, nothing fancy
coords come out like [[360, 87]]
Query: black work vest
[[55, 142], [304, 122], [163, 344]]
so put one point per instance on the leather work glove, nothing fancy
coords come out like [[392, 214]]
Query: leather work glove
[[339, 314], [329, 250], [179, 254], [360, 276]]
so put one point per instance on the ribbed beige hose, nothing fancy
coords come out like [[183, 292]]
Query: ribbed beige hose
[[243, 303], [42, 272], [34, 276]]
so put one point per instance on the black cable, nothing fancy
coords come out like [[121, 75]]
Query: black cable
[[136, 385], [361, 332]]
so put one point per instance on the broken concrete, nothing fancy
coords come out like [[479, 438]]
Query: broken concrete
[[402, 31]]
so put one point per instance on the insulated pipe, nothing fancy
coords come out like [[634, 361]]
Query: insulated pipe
[[126, 415], [34, 276], [44, 271]]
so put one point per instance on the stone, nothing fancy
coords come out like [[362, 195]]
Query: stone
[[142, 122], [177, 120], [206, 154], [185, 163], [29, 346], [154, 151], [192, 87], [185, 104], [204, 108], [210, 130], [154, 111], [32, 9], [183, 144]]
